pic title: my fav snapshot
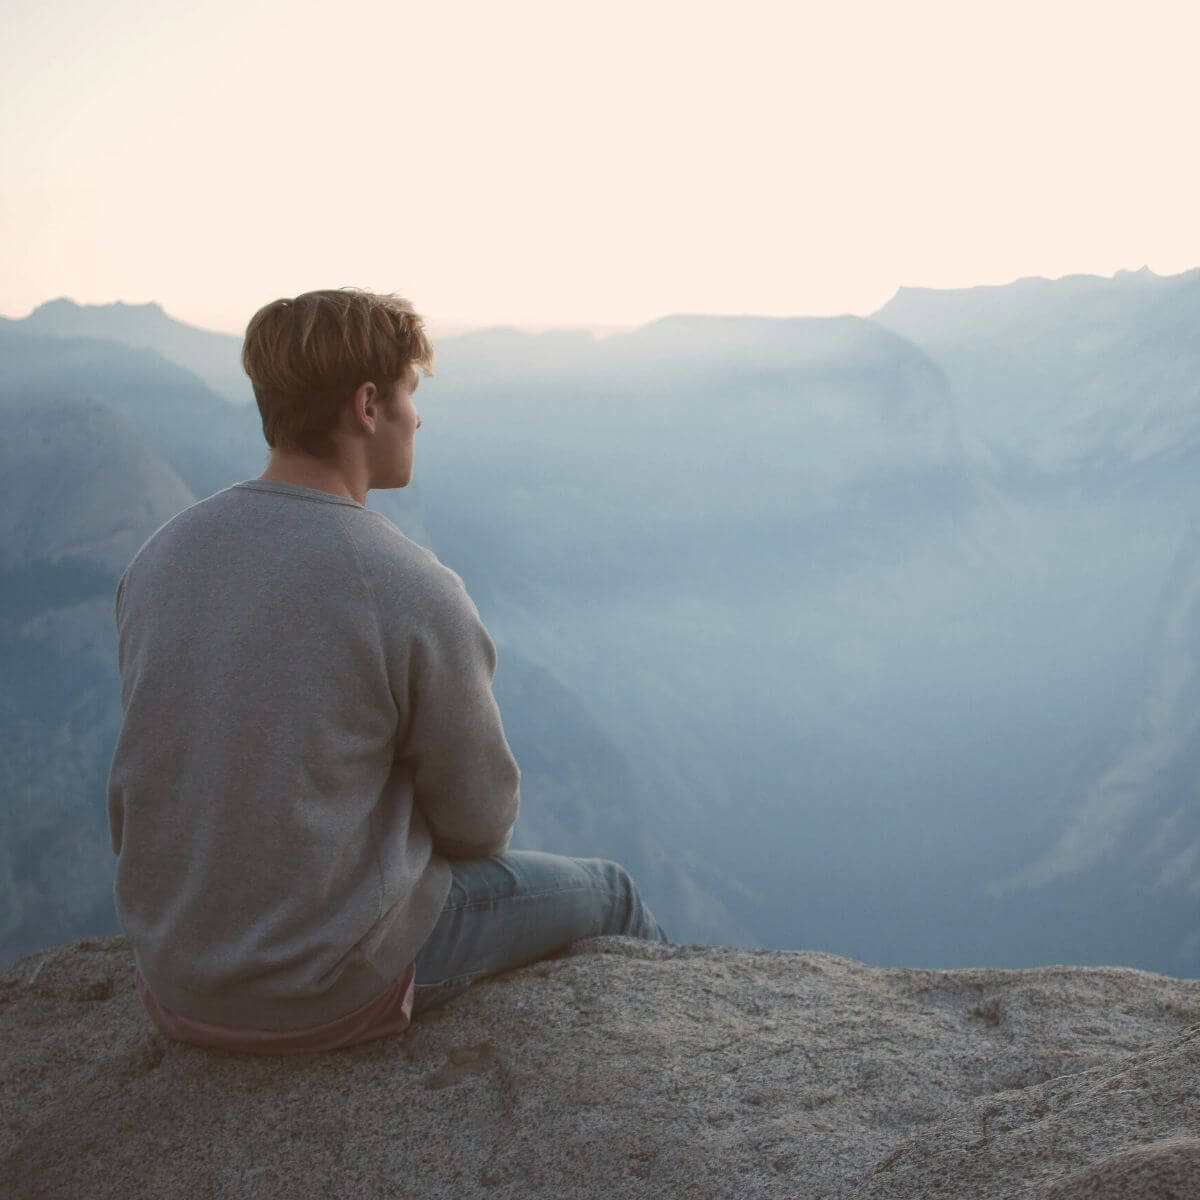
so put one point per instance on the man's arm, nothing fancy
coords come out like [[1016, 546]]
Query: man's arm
[[466, 781], [116, 805]]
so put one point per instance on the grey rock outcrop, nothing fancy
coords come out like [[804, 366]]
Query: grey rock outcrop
[[80, 490], [78, 482], [623, 1068]]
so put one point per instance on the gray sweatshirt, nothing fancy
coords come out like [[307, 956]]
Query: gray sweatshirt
[[309, 729]]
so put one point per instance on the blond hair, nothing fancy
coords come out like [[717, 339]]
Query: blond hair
[[307, 356]]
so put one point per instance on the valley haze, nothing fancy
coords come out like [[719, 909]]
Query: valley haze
[[871, 635]]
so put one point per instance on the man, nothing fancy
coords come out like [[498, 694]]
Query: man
[[312, 795]]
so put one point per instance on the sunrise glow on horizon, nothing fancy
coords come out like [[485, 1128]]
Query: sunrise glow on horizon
[[546, 164]]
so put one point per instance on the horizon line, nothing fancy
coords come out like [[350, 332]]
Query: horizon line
[[443, 326]]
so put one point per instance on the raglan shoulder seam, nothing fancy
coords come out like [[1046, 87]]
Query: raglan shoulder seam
[[348, 533]]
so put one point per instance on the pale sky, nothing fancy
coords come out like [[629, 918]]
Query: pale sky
[[549, 162]]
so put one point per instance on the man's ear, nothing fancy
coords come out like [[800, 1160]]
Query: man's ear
[[366, 401]]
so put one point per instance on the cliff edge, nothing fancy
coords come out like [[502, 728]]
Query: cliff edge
[[628, 1069]]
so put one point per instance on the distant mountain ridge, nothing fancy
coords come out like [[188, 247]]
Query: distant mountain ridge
[[945, 313], [214, 357], [1081, 377]]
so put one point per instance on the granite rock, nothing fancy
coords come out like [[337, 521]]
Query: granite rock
[[625, 1068]]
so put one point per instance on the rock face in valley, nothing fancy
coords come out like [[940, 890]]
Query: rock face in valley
[[1134, 831], [79, 493], [623, 1068], [579, 796], [78, 484], [208, 442]]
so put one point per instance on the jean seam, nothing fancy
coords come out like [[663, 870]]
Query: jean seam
[[531, 896], [454, 979]]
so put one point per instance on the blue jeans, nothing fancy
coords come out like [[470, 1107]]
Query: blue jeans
[[516, 908]]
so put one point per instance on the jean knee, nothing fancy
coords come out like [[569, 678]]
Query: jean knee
[[623, 901], [615, 876]]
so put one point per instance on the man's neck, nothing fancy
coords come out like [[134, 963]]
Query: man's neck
[[305, 471]]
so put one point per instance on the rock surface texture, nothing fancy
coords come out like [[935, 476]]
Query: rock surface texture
[[625, 1069]]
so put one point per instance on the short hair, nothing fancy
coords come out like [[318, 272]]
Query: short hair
[[307, 356]]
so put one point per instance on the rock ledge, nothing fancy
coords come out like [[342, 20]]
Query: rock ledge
[[623, 1068]]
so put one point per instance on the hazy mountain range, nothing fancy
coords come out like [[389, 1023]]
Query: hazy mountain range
[[1085, 376], [869, 635]]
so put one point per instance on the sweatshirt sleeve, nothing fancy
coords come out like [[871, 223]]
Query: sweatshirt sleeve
[[466, 781], [116, 806]]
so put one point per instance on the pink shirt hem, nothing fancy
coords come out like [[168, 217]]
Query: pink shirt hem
[[386, 1014]]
